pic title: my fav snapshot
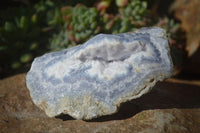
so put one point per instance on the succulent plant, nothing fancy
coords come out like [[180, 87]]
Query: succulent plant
[[81, 22], [130, 16], [136, 10], [121, 3], [15, 41], [24, 34], [60, 41]]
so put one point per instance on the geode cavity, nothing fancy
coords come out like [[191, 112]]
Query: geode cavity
[[92, 79]]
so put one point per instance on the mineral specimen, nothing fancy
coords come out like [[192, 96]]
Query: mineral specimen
[[93, 79]]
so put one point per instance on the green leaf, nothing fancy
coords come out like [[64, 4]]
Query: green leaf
[[23, 23], [26, 58], [34, 46], [9, 27], [34, 18], [15, 65]]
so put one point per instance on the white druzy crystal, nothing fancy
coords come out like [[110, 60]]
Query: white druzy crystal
[[92, 79]]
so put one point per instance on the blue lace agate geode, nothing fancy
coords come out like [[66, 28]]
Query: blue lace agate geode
[[92, 79]]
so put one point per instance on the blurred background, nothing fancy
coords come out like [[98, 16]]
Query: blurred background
[[30, 28]]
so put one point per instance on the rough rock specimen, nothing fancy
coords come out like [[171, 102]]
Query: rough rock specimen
[[92, 79]]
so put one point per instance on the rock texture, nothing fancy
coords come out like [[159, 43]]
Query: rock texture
[[93, 79], [171, 107]]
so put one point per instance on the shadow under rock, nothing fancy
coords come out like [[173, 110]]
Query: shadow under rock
[[165, 95], [65, 117]]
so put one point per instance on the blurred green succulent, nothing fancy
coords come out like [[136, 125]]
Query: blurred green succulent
[[24, 33], [82, 23], [15, 40], [131, 15], [136, 11], [49, 12], [169, 25], [60, 41]]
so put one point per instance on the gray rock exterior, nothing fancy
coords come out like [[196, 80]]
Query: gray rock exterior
[[93, 79]]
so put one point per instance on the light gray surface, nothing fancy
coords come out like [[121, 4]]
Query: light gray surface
[[92, 79]]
